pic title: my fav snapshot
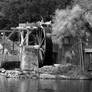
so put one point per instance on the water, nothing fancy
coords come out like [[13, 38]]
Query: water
[[15, 85]]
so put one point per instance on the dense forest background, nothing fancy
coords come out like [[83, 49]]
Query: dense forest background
[[13, 12]]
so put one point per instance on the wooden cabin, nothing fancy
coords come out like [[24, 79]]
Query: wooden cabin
[[88, 52], [64, 53], [71, 51]]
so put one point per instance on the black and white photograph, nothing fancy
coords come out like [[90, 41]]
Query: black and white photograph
[[45, 45]]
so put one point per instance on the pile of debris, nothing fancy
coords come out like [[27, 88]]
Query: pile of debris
[[67, 71], [57, 71], [18, 74], [48, 70]]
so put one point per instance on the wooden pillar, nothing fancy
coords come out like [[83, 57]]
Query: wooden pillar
[[27, 37], [22, 39], [59, 55], [13, 45], [3, 46], [81, 56], [89, 66], [90, 58], [3, 41]]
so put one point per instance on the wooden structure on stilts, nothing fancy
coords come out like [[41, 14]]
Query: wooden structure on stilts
[[29, 48]]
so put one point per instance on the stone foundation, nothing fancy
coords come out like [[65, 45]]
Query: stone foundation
[[29, 59]]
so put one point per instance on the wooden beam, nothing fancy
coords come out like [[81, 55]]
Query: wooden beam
[[5, 31], [23, 29], [89, 50], [11, 34]]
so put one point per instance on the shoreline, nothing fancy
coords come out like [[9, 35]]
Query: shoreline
[[46, 76], [67, 72]]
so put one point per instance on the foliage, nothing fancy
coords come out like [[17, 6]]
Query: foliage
[[30, 10], [72, 22], [85, 4]]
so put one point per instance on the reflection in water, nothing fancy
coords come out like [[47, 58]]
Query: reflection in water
[[15, 85]]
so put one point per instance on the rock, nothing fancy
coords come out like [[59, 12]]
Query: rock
[[62, 77], [2, 70], [29, 59], [12, 73], [47, 76], [48, 69]]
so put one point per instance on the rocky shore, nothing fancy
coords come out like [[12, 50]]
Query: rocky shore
[[56, 71]]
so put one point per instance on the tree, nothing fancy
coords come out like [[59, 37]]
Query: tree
[[71, 22], [17, 11], [85, 4]]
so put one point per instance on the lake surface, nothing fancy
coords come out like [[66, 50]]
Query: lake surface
[[15, 85]]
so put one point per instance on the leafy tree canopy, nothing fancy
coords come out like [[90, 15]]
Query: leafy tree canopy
[[71, 22], [17, 11], [85, 4]]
